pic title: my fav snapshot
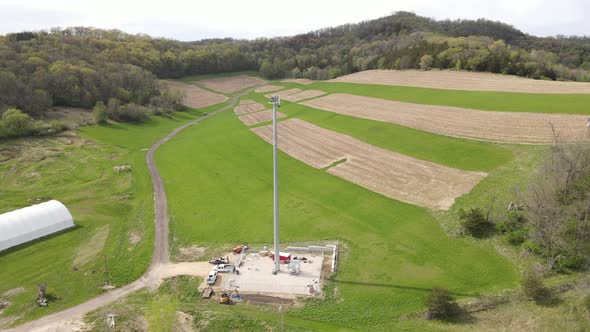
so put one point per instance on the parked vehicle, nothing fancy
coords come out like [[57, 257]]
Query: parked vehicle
[[225, 268], [212, 278], [219, 260]]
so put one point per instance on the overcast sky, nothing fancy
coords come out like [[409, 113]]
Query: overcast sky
[[193, 20]]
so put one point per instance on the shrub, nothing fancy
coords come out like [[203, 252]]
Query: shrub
[[133, 113], [100, 113], [513, 228], [475, 222], [533, 286], [16, 123], [440, 304]]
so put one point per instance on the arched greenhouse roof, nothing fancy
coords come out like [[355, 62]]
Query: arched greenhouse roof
[[30, 223]]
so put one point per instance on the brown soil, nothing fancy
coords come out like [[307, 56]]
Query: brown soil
[[307, 94], [389, 173], [303, 81], [283, 93], [249, 108], [531, 128], [461, 80], [247, 101], [195, 97], [259, 117], [231, 84], [268, 88]]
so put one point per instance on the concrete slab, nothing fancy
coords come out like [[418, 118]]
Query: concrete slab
[[256, 276]]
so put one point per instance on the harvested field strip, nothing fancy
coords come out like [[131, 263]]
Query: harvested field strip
[[529, 128], [259, 117], [303, 81], [268, 88], [248, 108], [283, 93], [231, 84], [306, 94], [247, 101], [389, 173], [471, 81], [195, 97]]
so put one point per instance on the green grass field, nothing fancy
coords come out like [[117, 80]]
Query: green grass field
[[218, 178], [449, 151], [483, 100], [220, 191], [80, 175]]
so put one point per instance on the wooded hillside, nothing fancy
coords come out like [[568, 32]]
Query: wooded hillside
[[80, 66]]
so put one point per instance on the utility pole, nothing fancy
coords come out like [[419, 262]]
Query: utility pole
[[276, 102]]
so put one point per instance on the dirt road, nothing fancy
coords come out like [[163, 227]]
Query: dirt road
[[160, 267]]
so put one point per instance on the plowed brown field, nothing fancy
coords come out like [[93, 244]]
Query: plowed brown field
[[461, 80], [306, 94], [268, 88], [531, 128], [248, 108], [195, 97], [231, 84], [389, 173], [259, 117], [283, 93], [247, 101], [303, 81]]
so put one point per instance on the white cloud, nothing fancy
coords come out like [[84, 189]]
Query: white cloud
[[191, 20]]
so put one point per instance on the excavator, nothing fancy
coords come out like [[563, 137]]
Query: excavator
[[225, 297]]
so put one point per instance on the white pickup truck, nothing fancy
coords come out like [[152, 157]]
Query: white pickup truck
[[212, 277], [225, 268]]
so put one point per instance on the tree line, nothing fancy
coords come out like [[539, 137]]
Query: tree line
[[82, 66]]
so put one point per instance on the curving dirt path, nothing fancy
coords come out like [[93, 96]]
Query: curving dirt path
[[160, 268]]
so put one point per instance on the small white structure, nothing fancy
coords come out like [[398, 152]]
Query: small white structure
[[33, 222]]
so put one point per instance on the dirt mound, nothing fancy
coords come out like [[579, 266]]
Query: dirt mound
[[195, 97], [462, 80], [231, 84], [531, 128], [248, 108], [259, 117], [389, 173], [306, 94]]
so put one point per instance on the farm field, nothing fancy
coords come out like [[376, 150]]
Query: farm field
[[248, 108], [195, 97], [480, 100], [218, 179], [392, 174], [268, 88], [284, 93], [460, 122], [231, 84], [444, 150], [463, 80], [231, 167], [305, 94], [259, 117]]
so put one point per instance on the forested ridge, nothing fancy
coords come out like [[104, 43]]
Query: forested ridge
[[81, 66]]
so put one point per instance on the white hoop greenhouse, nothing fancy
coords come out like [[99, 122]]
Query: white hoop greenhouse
[[33, 222]]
